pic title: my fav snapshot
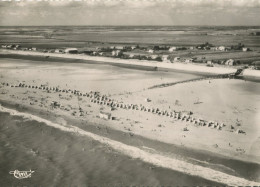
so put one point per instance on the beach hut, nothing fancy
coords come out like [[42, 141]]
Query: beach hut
[[104, 115], [55, 104], [238, 131], [148, 100], [113, 118]]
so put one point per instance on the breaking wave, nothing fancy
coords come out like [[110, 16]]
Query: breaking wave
[[152, 158]]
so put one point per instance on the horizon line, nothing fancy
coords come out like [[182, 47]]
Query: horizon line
[[131, 25]]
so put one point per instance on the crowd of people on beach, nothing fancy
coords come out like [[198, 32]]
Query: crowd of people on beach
[[97, 98]]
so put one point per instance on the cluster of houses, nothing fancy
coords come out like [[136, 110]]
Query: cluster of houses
[[208, 46], [97, 98], [18, 47], [142, 53], [255, 65], [229, 62]]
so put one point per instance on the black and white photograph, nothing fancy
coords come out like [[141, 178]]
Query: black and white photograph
[[129, 93]]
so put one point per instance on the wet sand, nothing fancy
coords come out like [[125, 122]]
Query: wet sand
[[59, 158], [247, 170]]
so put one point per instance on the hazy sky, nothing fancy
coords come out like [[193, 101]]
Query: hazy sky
[[130, 12]]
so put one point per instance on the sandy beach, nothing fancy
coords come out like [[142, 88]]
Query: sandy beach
[[231, 105], [129, 93]]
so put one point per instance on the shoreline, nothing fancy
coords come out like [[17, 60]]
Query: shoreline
[[143, 154], [191, 68], [100, 163]]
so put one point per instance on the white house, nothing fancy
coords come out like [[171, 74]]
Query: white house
[[165, 58], [120, 47], [116, 52], [213, 48], [245, 49], [58, 51], [172, 49], [222, 48], [154, 56], [209, 62], [17, 47], [131, 55], [71, 50], [188, 60], [176, 59], [150, 51], [230, 62], [10, 46]]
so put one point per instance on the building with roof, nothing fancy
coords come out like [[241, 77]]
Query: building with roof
[[117, 53], [71, 50], [230, 62], [173, 49], [105, 115]]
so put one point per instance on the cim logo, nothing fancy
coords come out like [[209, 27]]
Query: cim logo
[[21, 174]]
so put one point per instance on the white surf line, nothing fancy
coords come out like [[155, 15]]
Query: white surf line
[[155, 159]]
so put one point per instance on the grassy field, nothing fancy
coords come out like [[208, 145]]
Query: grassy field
[[82, 37]]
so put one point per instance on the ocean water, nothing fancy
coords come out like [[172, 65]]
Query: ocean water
[[64, 159]]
